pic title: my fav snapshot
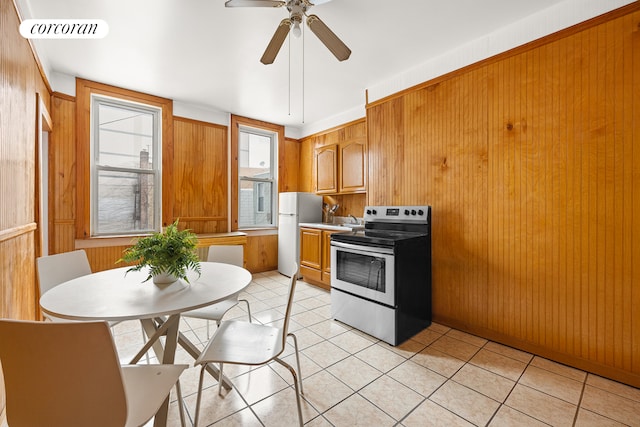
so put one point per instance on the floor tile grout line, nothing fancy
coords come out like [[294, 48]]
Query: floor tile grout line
[[575, 416]]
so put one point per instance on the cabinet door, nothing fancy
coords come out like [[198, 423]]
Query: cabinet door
[[326, 169], [352, 166], [311, 248], [326, 257]]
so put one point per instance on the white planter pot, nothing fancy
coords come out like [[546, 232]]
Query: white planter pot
[[164, 279]]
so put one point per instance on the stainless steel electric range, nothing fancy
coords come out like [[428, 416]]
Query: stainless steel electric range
[[381, 277]]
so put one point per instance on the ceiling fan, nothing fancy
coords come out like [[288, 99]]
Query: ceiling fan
[[296, 8]]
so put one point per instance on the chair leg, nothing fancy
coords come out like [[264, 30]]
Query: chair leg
[[295, 384], [248, 308], [220, 381], [199, 397], [144, 339], [180, 403], [295, 346]]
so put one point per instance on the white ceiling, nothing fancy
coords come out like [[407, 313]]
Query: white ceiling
[[200, 53]]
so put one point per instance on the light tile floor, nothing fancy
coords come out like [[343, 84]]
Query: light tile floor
[[441, 377]]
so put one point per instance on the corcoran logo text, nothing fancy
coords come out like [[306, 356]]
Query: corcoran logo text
[[64, 28]]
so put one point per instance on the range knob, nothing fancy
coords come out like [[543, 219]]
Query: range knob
[[413, 212], [375, 212], [368, 211], [406, 211], [420, 212]]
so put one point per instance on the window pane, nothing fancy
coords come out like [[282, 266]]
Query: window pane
[[125, 137], [255, 203], [125, 202], [254, 156]]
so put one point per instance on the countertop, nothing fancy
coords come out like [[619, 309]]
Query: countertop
[[333, 227]]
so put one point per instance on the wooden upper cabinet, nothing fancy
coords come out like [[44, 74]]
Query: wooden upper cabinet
[[327, 169], [352, 166], [341, 168]]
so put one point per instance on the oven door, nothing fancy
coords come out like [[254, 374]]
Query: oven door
[[363, 271]]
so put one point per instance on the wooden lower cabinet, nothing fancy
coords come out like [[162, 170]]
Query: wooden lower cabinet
[[315, 256]]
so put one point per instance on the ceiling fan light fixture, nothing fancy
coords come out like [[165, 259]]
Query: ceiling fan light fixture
[[328, 38], [296, 31]]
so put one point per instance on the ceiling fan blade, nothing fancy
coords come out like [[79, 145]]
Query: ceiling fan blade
[[254, 3], [328, 37], [317, 2], [275, 44]]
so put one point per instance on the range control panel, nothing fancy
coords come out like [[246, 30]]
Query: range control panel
[[397, 213]]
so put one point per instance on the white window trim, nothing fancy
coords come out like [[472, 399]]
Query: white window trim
[[274, 180], [156, 161]]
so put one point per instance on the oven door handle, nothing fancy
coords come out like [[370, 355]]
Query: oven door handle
[[362, 248]]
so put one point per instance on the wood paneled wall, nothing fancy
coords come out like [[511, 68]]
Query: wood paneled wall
[[21, 88], [263, 252], [62, 175], [20, 85], [532, 166], [200, 176], [288, 166]]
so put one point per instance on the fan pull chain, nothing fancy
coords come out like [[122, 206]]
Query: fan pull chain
[[303, 43], [289, 72]]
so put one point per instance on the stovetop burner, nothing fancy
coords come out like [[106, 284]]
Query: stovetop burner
[[380, 238], [386, 226]]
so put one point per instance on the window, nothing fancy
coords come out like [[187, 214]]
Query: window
[[256, 177], [125, 167]]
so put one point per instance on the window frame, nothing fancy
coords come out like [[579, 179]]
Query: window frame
[[96, 168], [84, 90], [238, 122], [260, 182]]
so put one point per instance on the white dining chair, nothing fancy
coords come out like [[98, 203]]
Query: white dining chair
[[245, 343], [228, 254], [61, 374], [59, 268]]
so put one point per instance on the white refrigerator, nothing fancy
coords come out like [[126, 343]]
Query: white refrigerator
[[294, 208]]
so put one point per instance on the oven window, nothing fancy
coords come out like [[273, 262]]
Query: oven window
[[361, 270]]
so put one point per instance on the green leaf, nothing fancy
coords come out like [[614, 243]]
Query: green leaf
[[173, 252]]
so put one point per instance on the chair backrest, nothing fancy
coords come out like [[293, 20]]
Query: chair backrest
[[228, 254], [55, 269], [287, 314], [61, 374]]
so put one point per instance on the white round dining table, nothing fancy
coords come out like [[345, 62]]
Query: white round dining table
[[118, 295]]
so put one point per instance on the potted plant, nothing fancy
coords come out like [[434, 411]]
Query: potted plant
[[168, 255]]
